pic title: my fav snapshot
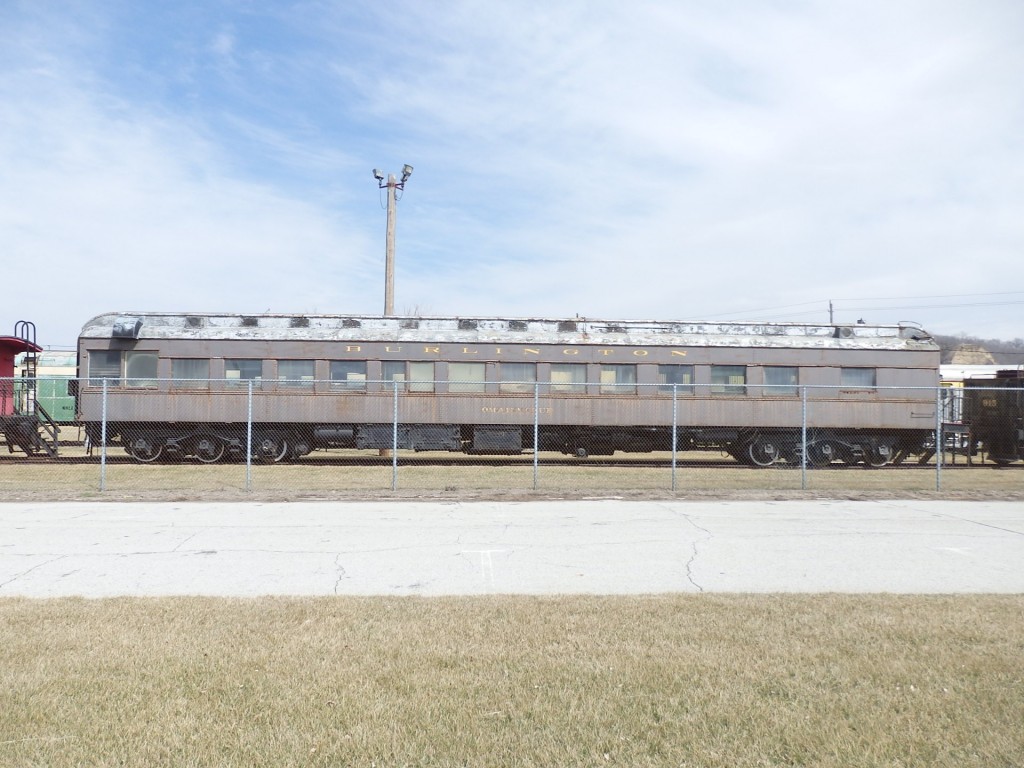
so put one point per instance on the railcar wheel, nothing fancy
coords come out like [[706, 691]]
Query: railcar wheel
[[878, 456], [581, 452], [821, 453], [271, 449], [209, 449], [143, 449], [763, 452]]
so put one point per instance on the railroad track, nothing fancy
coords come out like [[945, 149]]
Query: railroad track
[[327, 460]]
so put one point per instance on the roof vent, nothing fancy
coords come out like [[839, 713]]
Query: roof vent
[[126, 328], [351, 322], [409, 323], [567, 325], [467, 325], [517, 325], [193, 321], [913, 332], [299, 322], [250, 322]]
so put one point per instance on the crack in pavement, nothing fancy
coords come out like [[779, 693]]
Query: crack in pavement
[[694, 552], [342, 574], [18, 576], [961, 518], [187, 539]]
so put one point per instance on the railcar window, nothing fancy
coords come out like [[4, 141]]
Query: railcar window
[[678, 377], [190, 373], [618, 379], [862, 378], [568, 377], [104, 364], [348, 374], [728, 380], [140, 369], [237, 372], [296, 373], [517, 377], [421, 377], [781, 380], [392, 371], [466, 377], [413, 376]]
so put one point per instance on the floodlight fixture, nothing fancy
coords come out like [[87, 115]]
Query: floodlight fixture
[[378, 174], [406, 172]]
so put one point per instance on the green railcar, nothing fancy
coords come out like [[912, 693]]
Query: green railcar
[[52, 393], [54, 372]]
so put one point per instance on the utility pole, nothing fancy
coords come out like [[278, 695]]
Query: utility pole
[[392, 185]]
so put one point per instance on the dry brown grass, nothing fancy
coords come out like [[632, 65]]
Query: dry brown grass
[[593, 476], [676, 680]]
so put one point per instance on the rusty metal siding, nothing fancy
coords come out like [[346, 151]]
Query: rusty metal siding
[[861, 410], [639, 353], [902, 358], [651, 355]]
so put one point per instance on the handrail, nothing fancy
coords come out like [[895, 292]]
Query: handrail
[[50, 427]]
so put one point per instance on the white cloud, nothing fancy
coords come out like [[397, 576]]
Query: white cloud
[[105, 207], [223, 45], [648, 159]]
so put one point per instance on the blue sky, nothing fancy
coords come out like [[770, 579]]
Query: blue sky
[[670, 160]]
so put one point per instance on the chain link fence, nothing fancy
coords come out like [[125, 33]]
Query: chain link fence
[[201, 437]]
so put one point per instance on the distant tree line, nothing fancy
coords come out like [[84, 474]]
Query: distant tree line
[[1008, 353]]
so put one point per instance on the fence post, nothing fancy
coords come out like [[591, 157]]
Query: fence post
[[939, 439], [803, 438], [394, 442], [675, 429], [536, 429], [103, 440], [248, 441]]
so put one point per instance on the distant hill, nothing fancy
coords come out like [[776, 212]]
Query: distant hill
[[970, 350]]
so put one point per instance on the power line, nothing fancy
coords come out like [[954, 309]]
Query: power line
[[755, 314], [940, 296], [937, 306]]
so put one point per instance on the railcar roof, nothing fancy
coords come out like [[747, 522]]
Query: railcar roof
[[476, 330], [15, 344]]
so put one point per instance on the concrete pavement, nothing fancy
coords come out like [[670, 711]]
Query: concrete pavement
[[98, 549]]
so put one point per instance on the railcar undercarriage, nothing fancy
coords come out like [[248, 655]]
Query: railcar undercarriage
[[274, 443]]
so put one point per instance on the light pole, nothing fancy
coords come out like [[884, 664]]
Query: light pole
[[389, 252]]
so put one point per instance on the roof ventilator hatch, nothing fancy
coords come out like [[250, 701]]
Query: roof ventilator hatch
[[126, 328]]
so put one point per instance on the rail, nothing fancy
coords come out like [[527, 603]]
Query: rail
[[50, 430]]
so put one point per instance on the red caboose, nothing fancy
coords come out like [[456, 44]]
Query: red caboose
[[19, 420], [11, 347]]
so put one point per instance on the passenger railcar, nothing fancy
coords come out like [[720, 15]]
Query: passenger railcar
[[993, 412], [178, 383]]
